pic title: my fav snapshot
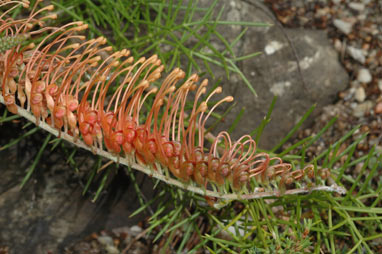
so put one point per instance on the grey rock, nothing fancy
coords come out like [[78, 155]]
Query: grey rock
[[360, 94], [112, 250], [272, 47], [364, 76], [343, 26], [275, 73], [135, 230], [120, 231], [337, 44], [50, 212], [380, 84], [356, 54], [357, 6], [362, 108], [105, 240]]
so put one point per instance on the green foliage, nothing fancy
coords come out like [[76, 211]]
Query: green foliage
[[163, 28], [315, 223], [7, 42]]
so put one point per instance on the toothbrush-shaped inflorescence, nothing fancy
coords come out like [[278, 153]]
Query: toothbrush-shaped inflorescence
[[66, 81]]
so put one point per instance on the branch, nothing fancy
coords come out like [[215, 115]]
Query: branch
[[130, 162]]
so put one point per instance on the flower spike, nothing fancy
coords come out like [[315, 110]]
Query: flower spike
[[98, 102]]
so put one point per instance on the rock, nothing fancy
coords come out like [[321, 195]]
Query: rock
[[105, 240], [142, 248], [380, 85], [337, 44], [50, 212], [360, 109], [343, 26], [378, 149], [275, 73], [356, 54], [364, 76], [111, 249], [378, 108], [358, 168], [232, 230], [272, 47], [357, 6], [278, 89], [121, 231], [360, 94], [135, 230]]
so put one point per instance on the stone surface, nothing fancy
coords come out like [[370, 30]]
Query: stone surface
[[357, 6], [356, 54], [105, 240], [275, 73], [360, 94], [361, 109], [112, 250], [50, 212], [378, 108], [343, 26], [364, 76]]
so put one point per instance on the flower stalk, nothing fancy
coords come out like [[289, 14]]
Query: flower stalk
[[67, 88]]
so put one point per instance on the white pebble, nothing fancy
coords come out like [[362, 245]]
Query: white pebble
[[111, 250], [343, 26], [272, 47], [338, 45], [135, 230], [362, 17], [362, 108], [380, 84], [360, 94], [356, 54], [357, 6], [364, 76], [105, 240]]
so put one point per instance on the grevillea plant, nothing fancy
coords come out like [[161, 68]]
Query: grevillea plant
[[94, 97]]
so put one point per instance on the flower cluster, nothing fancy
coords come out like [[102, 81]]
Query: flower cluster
[[85, 89]]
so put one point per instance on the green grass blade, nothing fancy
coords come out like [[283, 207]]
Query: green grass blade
[[35, 161], [15, 141], [294, 129]]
